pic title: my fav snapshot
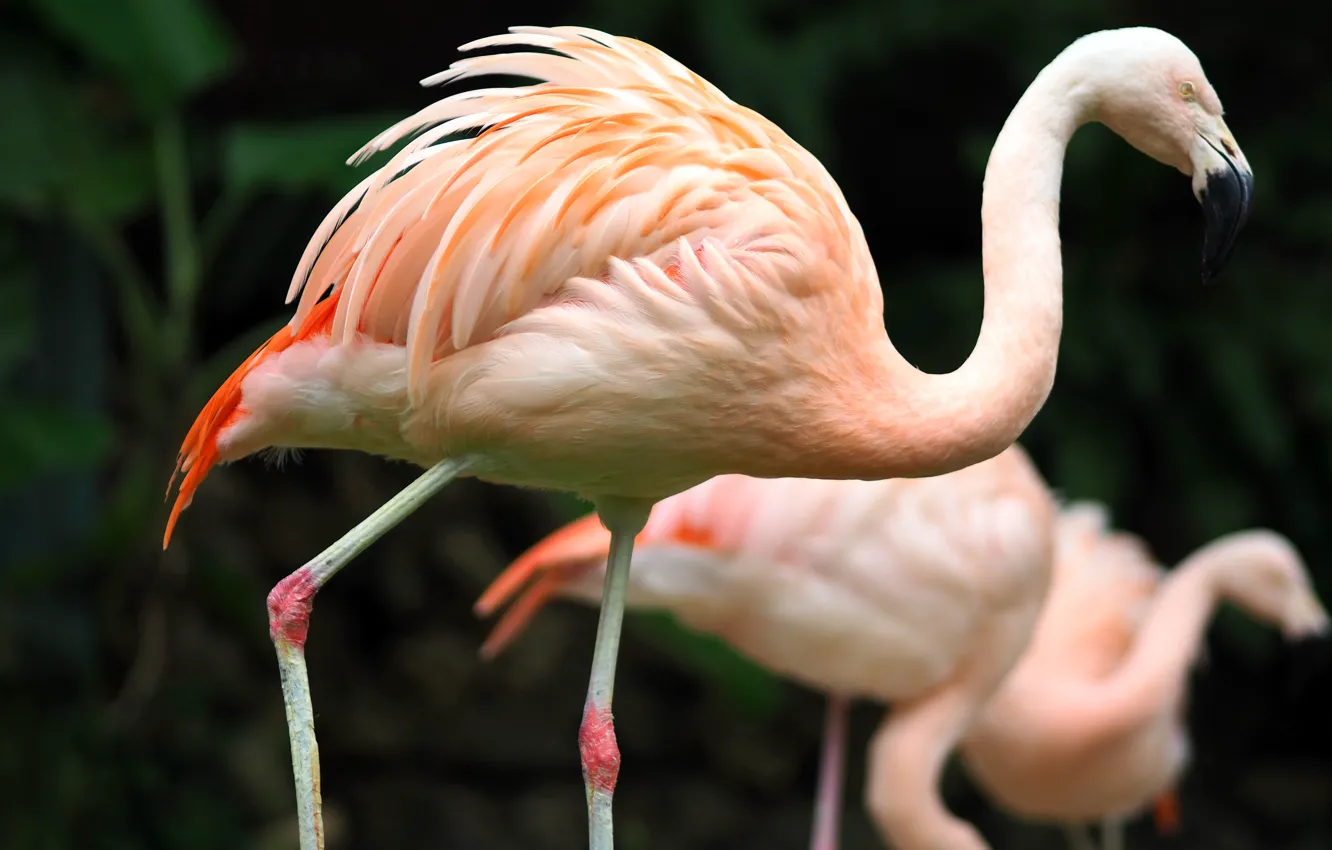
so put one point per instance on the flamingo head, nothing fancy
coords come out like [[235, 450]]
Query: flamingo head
[[1261, 571], [1150, 89]]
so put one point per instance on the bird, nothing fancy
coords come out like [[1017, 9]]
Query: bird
[[618, 282], [918, 593], [1090, 726], [1086, 726]]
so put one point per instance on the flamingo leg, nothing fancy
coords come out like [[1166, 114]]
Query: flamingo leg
[[832, 770], [1112, 834], [289, 606], [596, 735], [1079, 837]]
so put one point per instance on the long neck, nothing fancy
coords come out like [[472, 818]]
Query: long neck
[[1154, 675], [934, 424]]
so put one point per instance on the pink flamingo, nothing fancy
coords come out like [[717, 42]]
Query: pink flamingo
[[921, 593], [627, 284], [1089, 726], [1086, 726]]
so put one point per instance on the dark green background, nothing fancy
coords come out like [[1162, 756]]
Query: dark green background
[[162, 163]]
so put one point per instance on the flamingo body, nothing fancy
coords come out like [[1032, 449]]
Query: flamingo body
[[873, 589], [624, 255]]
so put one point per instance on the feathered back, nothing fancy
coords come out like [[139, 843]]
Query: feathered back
[[620, 151]]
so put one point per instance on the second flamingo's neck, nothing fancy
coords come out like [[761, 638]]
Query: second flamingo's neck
[[1154, 675], [935, 424]]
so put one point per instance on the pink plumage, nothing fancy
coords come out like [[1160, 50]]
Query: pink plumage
[[1089, 726], [621, 256]]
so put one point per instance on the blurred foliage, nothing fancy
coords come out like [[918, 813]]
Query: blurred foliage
[[161, 166]]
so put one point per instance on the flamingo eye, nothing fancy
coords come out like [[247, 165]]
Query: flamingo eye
[[1187, 91]]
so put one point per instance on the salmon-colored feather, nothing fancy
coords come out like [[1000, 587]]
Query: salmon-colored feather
[[584, 538], [618, 151], [541, 573], [536, 576], [607, 109], [199, 451], [521, 613]]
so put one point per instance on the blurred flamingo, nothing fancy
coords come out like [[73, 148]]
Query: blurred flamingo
[[1087, 726], [1090, 724], [627, 284], [921, 593]]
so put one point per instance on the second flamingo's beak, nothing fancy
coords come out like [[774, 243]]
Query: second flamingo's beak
[[1223, 184]]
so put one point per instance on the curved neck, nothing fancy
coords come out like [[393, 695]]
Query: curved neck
[[935, 424], [1154, 674]]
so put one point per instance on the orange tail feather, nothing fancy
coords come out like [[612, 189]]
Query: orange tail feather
[[550, 563], [1166, 812], [556, 560], [520, 613], [581, 539], [198, 453]]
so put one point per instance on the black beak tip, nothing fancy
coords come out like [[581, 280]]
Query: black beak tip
[[1226, 199]]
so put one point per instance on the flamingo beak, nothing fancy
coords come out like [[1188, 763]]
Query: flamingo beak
[[1306, 618], [1223, 184]]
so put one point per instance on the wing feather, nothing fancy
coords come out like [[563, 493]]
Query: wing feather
[[617, 151]]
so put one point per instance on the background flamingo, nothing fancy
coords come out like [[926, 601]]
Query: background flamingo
[[1089, 726], [921, 593], [627, 284]]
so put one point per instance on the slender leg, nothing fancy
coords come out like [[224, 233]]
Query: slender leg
[[596, 735], [289, 620], [1079, 837], [1112, 834], [832, 770]]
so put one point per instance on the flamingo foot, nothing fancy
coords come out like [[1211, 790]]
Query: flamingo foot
[[289, 606], [596, 735]]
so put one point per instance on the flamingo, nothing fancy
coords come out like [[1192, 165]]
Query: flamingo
[[838, 586], [1089, 726], [627, 284], [920, 593]]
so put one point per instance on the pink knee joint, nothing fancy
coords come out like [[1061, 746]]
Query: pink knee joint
[[596, 744], [289, 605]]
